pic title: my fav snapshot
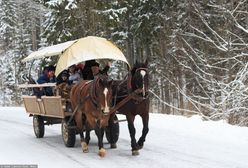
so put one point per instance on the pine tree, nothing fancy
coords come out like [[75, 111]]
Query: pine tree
[[8, 34], [18, 21], [69, 20]]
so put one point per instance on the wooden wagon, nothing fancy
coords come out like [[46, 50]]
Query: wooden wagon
[[48, 110]]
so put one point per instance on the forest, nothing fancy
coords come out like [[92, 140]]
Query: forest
[[197, 50]]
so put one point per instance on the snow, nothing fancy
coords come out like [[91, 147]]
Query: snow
[[173, 142], [54, 2], [71, 5]]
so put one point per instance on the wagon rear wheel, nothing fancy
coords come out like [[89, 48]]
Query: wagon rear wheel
[[38, 125], [112, 131], [68, 133]]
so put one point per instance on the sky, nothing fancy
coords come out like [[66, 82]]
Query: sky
[[172, 142]]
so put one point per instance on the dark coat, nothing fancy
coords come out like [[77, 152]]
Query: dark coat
[[90, 75], [46, 90], [87, 73]]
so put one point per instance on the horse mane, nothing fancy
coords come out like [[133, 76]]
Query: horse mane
[[122, 88], [99, 80]]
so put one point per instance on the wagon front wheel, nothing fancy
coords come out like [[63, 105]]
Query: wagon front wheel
[[38, 125], [68, 133]]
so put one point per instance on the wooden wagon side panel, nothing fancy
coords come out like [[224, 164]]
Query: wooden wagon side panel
[[31, 104], [42, 109], [53, 106]]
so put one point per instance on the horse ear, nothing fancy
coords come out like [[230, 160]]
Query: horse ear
[[136, 62], [146, 63]]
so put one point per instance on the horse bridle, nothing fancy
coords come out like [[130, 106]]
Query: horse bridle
[[135, 94], [93, 94], [139, 90]]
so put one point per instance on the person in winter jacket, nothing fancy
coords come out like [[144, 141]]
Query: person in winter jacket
[[92, 69], [48, 77]]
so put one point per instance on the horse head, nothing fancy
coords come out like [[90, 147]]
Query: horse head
[[103, 93], [139, 78]]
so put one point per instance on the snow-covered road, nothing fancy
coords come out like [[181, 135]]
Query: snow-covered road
[[173, 142]]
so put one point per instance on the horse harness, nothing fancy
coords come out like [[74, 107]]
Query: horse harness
[[91, 96], [135, 95]]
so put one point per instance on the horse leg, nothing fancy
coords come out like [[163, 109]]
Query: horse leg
[[87, 138], [145, 130], [112, 132], [132, 131], [100, 132], [80, 121], [83, 143]]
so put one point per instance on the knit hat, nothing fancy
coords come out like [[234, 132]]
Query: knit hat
[[51, 68]]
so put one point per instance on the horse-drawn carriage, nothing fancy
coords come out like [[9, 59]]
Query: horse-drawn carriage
[[91, 104]]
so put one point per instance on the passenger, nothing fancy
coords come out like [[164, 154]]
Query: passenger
[[63, 88], [45, 70], [48, 77], [74, 74], [86, 72], [79, 68], [91, 70], [63, 77]]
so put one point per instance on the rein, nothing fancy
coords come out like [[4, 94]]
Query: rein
[[133, 95], [93, 93]]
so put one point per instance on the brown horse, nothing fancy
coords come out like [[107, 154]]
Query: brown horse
[[136, 86], [91, 101]]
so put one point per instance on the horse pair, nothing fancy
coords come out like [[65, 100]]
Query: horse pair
[[94, 103]]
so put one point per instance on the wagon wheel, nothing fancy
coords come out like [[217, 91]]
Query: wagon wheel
[[112, 131], [68, 133], [38, 125]]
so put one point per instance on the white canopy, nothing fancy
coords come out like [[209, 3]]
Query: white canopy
[[89, 48], [49, 51], [83, 49]]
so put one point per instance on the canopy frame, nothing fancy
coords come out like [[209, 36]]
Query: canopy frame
[[69, 48]]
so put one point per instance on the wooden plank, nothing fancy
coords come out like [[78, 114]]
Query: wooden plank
[[42, 109], [31, 104], [37, 85], [53, 106]]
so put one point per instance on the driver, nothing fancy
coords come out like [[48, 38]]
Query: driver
[[91, 70]]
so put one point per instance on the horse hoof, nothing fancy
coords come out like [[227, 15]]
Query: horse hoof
[[112, 146], [135, 152], [102, 152], [140, 147], [84, 147], [85, 150]]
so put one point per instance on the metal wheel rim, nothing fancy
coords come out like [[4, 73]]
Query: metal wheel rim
[[65, 132], [36, 125]]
